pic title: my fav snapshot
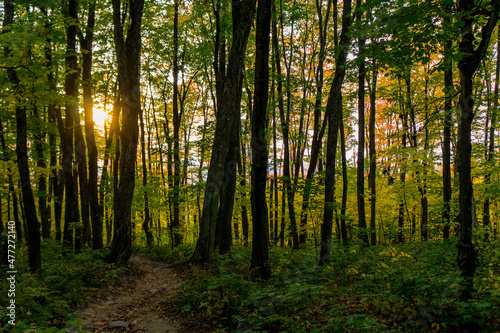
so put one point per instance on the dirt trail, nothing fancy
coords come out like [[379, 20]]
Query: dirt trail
[[134, 299]]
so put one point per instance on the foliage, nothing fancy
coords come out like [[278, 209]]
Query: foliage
[[66, 281], [403, 288]]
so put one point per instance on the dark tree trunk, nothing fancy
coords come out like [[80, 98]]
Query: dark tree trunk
[[93, 194], [448, 110], [128, 52], [360, 180], [317, 135], [285, 123], [226, 205], [71, 213], [491, 145], [260, 239], [32, 224], [175, 224], [42, 181], [402, 176], [334, 111], [343, 206], [373, 158], [243, 12], [54, 118], [467, 66], [147, 215], [82, 231]]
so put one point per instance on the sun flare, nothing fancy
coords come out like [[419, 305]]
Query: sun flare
[[100, 115]]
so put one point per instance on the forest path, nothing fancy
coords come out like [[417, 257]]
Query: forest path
[[134, 299]]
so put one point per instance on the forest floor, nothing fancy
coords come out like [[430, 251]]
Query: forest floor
[[134, 298]]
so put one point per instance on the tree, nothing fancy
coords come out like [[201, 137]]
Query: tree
[[317, 133], [95, 211], [128, 52], [260, 237], [334, 110], [467, 66], [32, 223], [360, 180], [71, 217], [242, 13]]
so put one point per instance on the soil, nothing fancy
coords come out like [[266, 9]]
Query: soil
[[135, 298]]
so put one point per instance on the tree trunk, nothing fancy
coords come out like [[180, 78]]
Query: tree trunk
[[334, 111], [42, 181], [448, 110], [175, 224], [95, 210], [373, 158], [32, 224], [360, 180], [491, 146], [243, 11], [317, 134], [128, 52], [260, 239], [285, 123], [147, 216], [343, 206], [71, 213], [467, 66]]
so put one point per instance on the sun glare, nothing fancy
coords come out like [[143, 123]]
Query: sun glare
[[100, 115]]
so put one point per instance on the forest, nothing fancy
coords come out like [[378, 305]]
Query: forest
[[285, 166]]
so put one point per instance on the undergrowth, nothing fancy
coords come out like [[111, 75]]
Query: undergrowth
[[403, 288], [45, 302]]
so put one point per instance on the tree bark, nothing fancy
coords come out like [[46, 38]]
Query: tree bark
[[467, 66], [147, 215], [317, 134], [334, 111], [372, 178], [71, 217], [128, 52], [93, 194], [175, 224], [260, 239], [360, 179], [447, 118], [243, 11], [490, 155], [32, 223]]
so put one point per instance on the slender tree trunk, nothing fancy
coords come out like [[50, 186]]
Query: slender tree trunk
[[42, 181], [243, 11], [175, 224], [32, 223], [373, 158], [360, 180], [448, 110], [260, 239], [471, 58], [128, 53], [317, 135], [343, 207], [95, 210], [82, 231], [490, 155], [285, 123], [71, 212], [334, 111], [147, 216]]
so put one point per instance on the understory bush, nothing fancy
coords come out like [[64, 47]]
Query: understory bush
[[402, 288], [47, 300]]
